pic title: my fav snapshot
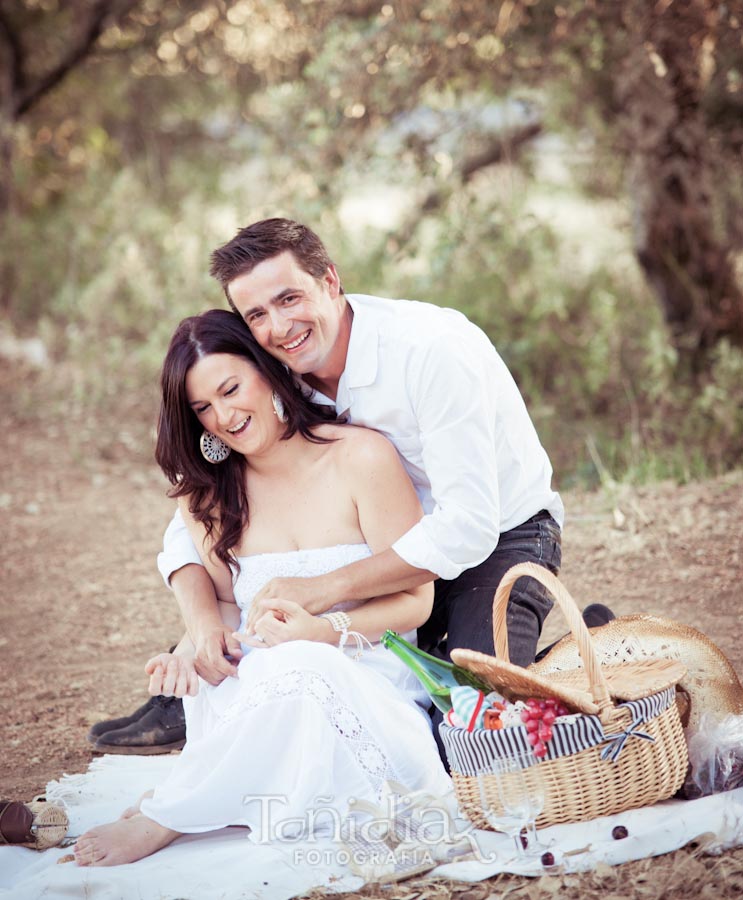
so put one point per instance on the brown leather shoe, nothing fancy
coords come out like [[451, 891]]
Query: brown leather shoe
[[101, 728], [160, 730]]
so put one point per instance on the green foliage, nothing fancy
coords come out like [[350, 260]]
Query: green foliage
[[195, 118], [586, 345], [118, 267]]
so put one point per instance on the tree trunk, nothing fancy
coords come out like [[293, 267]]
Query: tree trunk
[[686, 259], [19, 94], [7, 208]]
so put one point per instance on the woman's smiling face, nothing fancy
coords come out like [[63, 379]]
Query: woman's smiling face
[[232, 400]]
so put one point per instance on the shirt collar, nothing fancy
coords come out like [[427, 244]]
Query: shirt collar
[[363, 347], [362, 358]]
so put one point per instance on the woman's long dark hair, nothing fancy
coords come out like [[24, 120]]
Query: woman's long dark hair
[[217, 493]]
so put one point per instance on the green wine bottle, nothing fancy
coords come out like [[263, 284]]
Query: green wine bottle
[[437, 676]]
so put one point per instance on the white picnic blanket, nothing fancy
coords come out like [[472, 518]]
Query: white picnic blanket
[[229, 865]]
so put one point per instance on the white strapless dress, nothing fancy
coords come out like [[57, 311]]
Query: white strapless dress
[[304, 727]]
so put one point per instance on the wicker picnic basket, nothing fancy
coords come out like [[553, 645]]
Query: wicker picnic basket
[[625, 749]]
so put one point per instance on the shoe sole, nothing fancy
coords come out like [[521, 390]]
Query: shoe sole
[[150, 750], [94, 738]]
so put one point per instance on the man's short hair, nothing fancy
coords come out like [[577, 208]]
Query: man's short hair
[[264, 240]]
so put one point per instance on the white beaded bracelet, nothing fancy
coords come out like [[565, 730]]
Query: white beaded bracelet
[[341, 622]]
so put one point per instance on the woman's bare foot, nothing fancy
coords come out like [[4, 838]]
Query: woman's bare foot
[[123, 841], [133, 810]]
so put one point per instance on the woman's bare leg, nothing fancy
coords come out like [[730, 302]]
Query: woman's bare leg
[[133, 810]]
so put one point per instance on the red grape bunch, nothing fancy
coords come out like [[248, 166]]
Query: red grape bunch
[[539, 717]]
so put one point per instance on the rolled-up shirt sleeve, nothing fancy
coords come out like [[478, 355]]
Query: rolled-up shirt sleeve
[[450, 386], [178, 548]]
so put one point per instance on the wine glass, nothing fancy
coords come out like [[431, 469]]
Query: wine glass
[[532, 775], [510, 800]]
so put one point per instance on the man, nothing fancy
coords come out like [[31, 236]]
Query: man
[[432, 382]]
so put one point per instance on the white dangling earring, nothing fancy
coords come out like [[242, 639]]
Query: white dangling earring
[[213, 448], [278, 408]]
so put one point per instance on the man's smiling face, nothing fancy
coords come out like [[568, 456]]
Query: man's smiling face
[[295, 317]]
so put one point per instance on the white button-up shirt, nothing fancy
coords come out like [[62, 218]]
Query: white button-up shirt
[[431, 382]]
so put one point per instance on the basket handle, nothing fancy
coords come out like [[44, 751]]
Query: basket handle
[[597, 683]]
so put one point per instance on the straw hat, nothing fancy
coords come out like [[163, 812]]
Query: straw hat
[[710, 680], [592, 687]]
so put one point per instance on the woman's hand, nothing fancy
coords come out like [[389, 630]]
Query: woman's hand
[[311, 594], [285, 620], [172, 675]]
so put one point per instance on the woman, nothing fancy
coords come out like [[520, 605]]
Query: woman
[[277, 489]]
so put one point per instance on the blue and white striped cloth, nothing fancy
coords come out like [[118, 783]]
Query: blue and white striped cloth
[[470, 752]]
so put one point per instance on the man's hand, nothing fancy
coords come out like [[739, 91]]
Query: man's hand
[[174, 676], [312, 594], [284, 621], [211, 648]]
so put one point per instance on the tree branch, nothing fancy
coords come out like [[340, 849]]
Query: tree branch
[[16, 56], [100, 13], [500, 149]]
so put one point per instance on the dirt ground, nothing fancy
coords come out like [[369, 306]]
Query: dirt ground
[[83, 606]]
